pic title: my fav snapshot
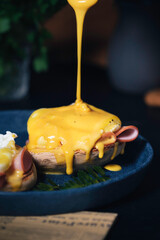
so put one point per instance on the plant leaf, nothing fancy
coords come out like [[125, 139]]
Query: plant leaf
[[53, 2], [16, 17], [40, 64], [44, 187], [1, 70], [4, 25], [83, 179]]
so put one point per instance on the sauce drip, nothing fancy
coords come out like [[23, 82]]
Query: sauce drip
[[65, 130], [14, 178], [114, 151], [123, 149], [80, 7], [100, 147], [113, 167]]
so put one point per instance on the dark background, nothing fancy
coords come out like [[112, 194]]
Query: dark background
[[139, 212]]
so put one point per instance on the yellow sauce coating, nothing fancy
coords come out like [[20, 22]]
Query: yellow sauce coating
[[14, 178], [102, 143], [113, 167], [68, 129], [100, 147], [79, 126], [5, 159]]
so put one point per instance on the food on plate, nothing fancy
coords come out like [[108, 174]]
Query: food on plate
[[17, 171], [76, 136]]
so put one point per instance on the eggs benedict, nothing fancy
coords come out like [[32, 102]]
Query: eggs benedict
[[17, 171], [76, 136]]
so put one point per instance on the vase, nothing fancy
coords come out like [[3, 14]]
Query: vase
[[134, 50]]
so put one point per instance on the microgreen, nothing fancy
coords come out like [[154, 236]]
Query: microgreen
[[82, 178]]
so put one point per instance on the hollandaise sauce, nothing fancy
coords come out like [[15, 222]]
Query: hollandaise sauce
[[65, 130], [80, 7], [14, 177], [113, 167], [114, 151]]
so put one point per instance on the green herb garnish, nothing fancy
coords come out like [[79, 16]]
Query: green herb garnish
[[82, 179]]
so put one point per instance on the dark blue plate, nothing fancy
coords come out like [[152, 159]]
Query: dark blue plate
[[134, 163]]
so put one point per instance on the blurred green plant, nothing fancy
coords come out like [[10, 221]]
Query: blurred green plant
[[21, 27]]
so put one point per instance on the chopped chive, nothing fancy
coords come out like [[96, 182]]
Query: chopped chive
[[83, 178]]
